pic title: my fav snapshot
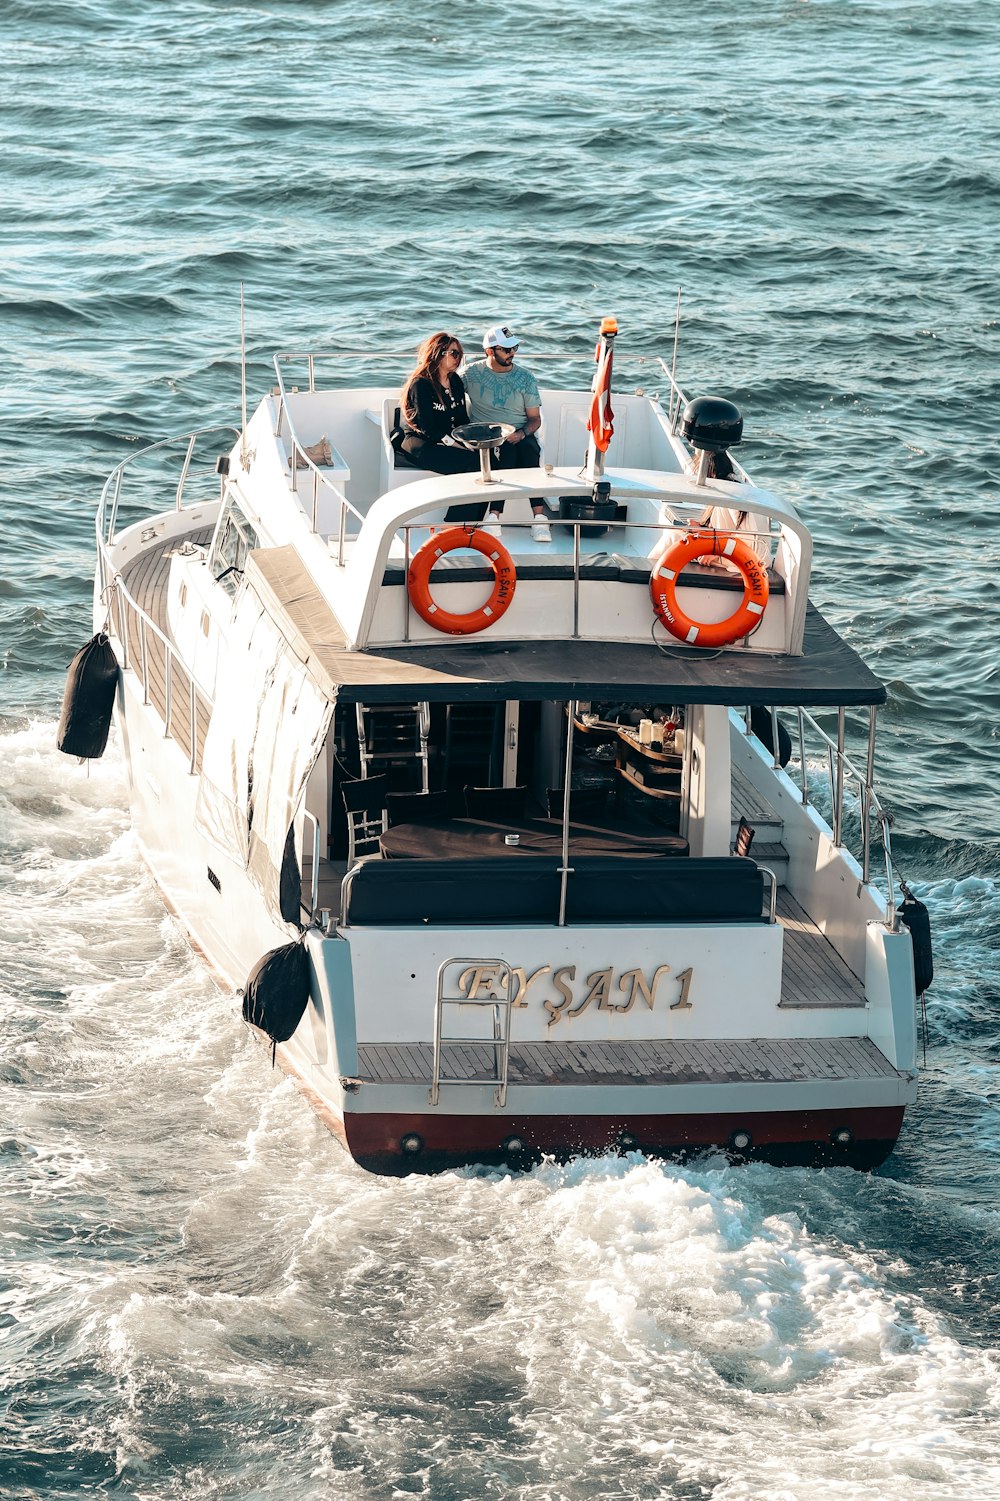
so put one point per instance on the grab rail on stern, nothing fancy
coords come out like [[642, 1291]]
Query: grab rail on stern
[[484, 973]]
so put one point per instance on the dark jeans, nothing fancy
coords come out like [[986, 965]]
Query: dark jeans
[[524, 455], [440, 457]]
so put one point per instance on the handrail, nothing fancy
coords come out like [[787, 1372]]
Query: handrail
[[550, 356], [772, 912], [314, 881], [580, 528], [147, 624], [298, 452], [107, 518], [120, 601], [840, 769], [311, 357], [345, 894]]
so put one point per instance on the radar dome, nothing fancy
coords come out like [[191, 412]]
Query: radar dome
[[712, 423]]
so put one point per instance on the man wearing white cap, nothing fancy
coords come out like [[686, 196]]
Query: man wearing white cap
[[500, 391]]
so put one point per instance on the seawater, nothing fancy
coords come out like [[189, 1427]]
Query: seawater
[[201, 1296]]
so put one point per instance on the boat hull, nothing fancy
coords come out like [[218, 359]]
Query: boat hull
[[802, 1138]]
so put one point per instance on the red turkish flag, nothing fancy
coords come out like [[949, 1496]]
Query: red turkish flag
[[601, 421]]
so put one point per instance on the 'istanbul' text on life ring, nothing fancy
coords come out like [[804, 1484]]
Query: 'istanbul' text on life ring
[[419, 576], [699, 544]]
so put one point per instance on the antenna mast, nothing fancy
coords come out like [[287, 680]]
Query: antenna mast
[[246, 455], [674, 396]]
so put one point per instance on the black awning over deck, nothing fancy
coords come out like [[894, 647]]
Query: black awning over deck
[[828, 674]]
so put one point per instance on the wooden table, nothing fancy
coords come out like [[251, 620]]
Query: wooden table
[[474, 838]]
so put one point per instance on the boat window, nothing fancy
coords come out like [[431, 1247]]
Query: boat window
[[234, 539]]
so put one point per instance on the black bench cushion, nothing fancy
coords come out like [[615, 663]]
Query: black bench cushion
[[526, 889]]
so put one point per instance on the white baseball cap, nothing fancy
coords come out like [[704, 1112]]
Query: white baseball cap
[[500, 335]]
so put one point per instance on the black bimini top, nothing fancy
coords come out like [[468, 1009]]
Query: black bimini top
[[828, 674]]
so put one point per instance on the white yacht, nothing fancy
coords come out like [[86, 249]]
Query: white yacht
[[553, 847]]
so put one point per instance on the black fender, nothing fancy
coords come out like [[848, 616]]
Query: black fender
[[916, 917], [277, 991], [89, 699]]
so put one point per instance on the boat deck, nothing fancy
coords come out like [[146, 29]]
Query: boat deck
[[146, 581], [813, 974], [723, 1060]]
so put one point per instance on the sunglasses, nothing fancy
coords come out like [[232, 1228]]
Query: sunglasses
[[506, 348], [456, 354]]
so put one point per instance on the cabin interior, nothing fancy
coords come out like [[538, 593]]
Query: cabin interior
[[505, 759], [478, 780]]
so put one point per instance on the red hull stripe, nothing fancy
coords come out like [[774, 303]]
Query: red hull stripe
[[462, 1135]]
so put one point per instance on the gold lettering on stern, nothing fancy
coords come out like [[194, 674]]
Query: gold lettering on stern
[[525, 984], [555, 1008], [634, 981], [600, 985], [682, 1003], [480, 977]]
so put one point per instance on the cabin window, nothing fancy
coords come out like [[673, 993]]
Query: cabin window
[[234, 539]]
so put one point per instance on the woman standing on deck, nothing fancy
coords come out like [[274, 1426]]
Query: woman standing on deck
[[433, 404]]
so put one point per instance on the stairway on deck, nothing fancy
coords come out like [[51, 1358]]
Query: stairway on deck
[[768, 826]]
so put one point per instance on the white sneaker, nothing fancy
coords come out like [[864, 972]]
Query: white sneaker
[[491, 528], [540, 532]]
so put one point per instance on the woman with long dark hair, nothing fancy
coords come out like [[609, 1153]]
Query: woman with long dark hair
[[432, 405]]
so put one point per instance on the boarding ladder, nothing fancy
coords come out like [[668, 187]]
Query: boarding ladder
[[488, 991]]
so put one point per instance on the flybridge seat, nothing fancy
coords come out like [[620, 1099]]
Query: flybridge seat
[[617, 567], [396, 468], [525, 889]]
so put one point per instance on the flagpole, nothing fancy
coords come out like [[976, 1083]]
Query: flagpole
[[599, 421]]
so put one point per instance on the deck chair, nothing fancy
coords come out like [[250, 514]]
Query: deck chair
[[744, 837], [584, 802], [418, 807], [367, 818], [498, 803]]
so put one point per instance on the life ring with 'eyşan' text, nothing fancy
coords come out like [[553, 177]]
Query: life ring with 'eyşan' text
[[418, 578], [666, 573]]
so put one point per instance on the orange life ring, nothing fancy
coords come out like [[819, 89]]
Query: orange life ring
[[418, 581], [663, 588]]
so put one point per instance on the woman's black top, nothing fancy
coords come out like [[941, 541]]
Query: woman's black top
[[432, 413]]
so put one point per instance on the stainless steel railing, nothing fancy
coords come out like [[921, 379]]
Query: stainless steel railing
[[320, 482], [314, 874], [840, 772], [122, 607], [580, 529], [120, 603], [124, 610], [402, 362], [106, 520]]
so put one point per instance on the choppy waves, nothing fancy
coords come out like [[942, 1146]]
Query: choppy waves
[[205, 1294], [203, 1297]]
